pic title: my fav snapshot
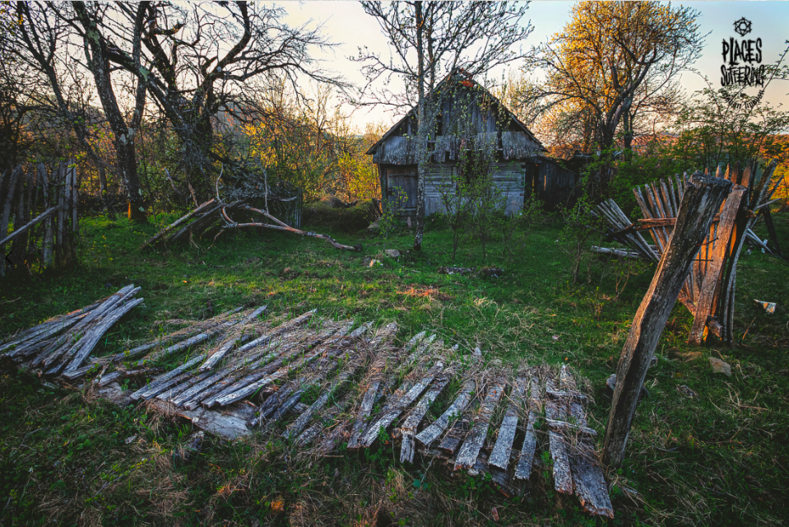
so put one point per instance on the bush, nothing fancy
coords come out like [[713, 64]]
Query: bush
[[339, 217]]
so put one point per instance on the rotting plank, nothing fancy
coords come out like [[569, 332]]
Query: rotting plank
[[402, 404], [375, 378], [526, 457], [500, 457], [279, 330], [142, 392], [225, 347], [468, 453], [169, 392], [295, 428], [562, 475], [408, 429], [175, 335], [261, 378], [431, 433]]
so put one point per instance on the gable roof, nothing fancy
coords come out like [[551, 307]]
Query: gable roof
[[468, 81]]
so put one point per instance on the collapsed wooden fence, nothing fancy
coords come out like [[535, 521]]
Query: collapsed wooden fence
[[41, 210], [709, 290], [240, 374]]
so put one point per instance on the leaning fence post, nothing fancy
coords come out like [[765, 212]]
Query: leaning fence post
[[702, 200]]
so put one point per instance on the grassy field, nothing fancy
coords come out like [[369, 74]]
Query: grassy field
[[720, 457]]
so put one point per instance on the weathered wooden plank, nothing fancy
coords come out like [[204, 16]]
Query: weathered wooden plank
[[374, 383], [151, 389], [468, 453], [500, 456], [458, 406], [588, 479], [399, 402], [93, 331], [87, 344], [702, 199], [77, 331], [279, 330], [562, 475], [180, 346], [18, 231], [526, 457], [409, 427], [225, 347], [167, 393], [295, 428]]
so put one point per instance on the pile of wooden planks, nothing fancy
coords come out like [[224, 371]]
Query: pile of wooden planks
[[320, 383], [41, 208], [708, 292], [61, 345]]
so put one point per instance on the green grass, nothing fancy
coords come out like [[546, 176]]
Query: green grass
[[720, 458]]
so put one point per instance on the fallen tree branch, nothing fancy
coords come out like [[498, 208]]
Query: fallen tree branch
[[281, 226]]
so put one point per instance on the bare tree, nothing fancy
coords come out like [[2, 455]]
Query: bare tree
[[428, 41], [87, 21], [191, 78]]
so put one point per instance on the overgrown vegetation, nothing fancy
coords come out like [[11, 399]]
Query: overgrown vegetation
[[704, 449]]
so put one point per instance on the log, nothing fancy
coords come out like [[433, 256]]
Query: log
[[458, 406], [468, 453], [500, 456], [702, 199], [408, 429]]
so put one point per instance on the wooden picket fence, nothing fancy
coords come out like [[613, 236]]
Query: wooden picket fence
[[709, 289], [40, 209]]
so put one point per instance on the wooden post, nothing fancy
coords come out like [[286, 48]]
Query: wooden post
[[702, 200]]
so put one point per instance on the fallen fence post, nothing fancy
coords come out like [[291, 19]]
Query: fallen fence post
[[701, 201]]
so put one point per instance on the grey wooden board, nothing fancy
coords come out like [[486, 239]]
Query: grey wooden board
[[500, 456], [526, 456], [464, 397], [468, 453], [403, 402], [165, 378], [409, 427]]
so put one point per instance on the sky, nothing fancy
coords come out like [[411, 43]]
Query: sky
[[346, 24]]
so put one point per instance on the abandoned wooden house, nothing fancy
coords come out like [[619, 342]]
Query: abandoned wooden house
[[467, 114]]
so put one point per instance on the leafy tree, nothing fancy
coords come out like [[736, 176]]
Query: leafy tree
[[611, 62]]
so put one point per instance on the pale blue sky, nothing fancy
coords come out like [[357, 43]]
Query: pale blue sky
[[347, 24]]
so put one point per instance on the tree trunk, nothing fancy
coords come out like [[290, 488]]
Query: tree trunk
[[702, 200], [96, 55], [421, 133], [103, 188]]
